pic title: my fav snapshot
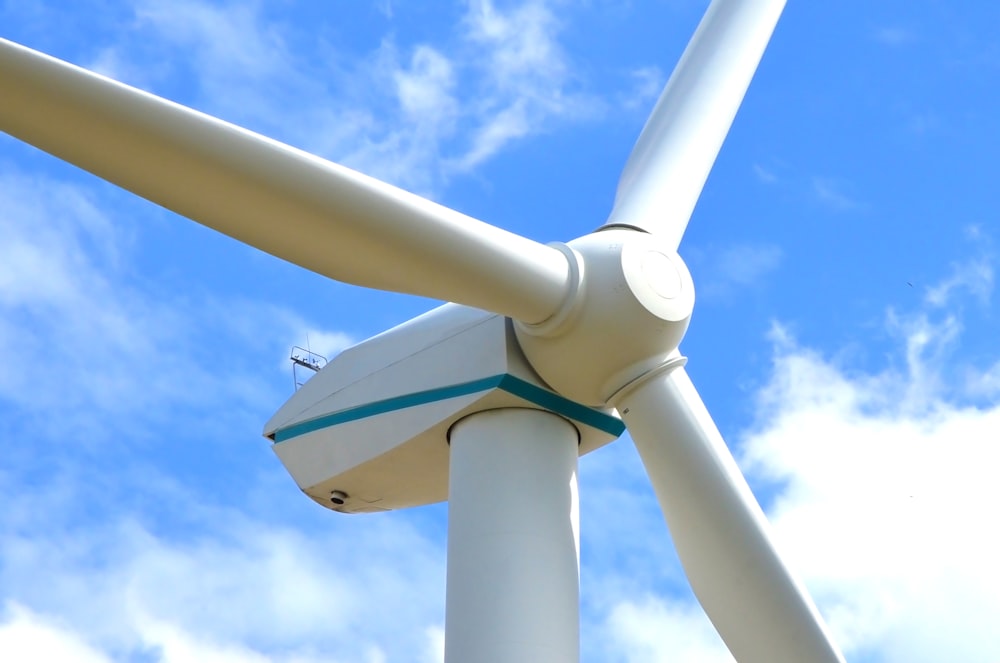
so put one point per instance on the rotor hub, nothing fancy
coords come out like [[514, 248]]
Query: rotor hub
[[628, 309]]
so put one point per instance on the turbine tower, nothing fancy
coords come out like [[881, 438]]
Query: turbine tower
[[545, 352]]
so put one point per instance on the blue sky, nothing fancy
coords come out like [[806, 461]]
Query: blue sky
[[844, 252]]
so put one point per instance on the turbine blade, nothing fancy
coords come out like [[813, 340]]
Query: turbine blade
[[291, 204], [670, 162], [722, 536]]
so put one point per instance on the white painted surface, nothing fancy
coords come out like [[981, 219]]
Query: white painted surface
[[620, 325], [676, 150], [722, 537], [317, 214], [513, 540]]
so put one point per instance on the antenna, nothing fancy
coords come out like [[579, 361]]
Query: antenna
[[305, 358]]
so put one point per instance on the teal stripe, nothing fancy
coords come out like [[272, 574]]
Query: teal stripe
[[553, 402], [387, 405], [512, 385]]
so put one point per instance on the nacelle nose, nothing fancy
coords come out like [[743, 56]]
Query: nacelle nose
[[630, 309]]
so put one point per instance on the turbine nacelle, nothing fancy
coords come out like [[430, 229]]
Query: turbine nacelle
[[370, 431]]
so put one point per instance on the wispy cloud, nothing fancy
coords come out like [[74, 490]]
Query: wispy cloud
[[875, 482], [923, 123], [831, 192], [525, 74], [238, 591], [647, 84], [894, 35], [231, 41], [653, 629], [737, 267], [975, 276], [765, 175], [415, 116], [115, 544], [881, 480], [85, 339], [983, 384]]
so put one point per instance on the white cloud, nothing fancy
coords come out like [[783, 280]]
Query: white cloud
[[647, 83], [415, 116], [505, 125], [525, 74], [652, 630], [734, 268], [830, 192], [894, 35], [744, 265], [435, 645], [883, 483], [384, 7], [111, 62], [425, 89], [974, 276], [764, 175], [26, 638], [231, 40], [234, 589], [521, 44], [880, 486], [85, 338], [106, 549], [984, 384], [503, 77]]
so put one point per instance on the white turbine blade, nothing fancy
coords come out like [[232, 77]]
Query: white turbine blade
[[671, 160], [722, 537], [322, 216]]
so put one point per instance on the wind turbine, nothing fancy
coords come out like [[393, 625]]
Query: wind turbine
[[546, 353]]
